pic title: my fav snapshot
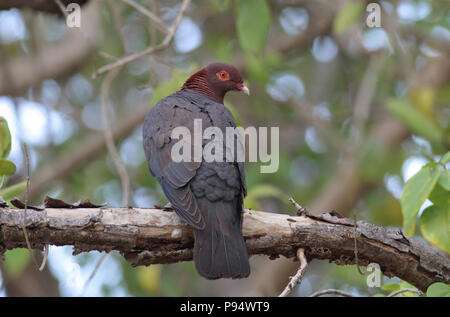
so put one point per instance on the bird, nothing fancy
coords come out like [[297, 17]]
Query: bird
[[207, 195]]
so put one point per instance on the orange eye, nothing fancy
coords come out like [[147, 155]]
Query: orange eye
[[223, 75]]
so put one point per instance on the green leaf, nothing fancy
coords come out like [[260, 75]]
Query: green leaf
[[252, 25], [435, 226], [438, 290], [416, 191], [10, 192], [16, 261], [439, 196], [444, 180], [446, 158], [7, 167], [5, 139], [415, 120], [390, 287], [347, 16]]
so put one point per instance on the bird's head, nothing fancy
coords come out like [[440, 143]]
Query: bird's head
[[215, 80]]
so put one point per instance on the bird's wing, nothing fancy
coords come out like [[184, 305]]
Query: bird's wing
[[226, 120], [173, 176]]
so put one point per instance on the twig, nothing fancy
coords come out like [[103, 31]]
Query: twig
[[106, 55], [61, 7], [157, 22], [355, 249], [97, 266], [404, 290], [297, 278], [301, 211], [127, 59], [331, 291], [120, 166], [27, 190], [44, 260]]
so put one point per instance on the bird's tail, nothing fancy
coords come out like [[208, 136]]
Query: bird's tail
[[220, 250]]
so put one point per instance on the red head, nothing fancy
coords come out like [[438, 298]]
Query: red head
[[215, 80]]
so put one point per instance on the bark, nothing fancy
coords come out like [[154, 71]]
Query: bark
[[150, 236]]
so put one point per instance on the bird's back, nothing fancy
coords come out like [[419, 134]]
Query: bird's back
[[208, 195]]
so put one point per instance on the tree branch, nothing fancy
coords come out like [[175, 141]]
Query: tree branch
[[150, 236], [149, 50]]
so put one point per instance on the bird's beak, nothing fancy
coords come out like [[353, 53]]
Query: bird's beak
[[243, 89]]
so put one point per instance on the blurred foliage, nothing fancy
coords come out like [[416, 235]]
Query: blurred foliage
[[5, 138], [7, 168], [16, 261], [309, 91], [348, 14], [392, 287], [416, 120], [252, 32], [430, 182], [438, 290]]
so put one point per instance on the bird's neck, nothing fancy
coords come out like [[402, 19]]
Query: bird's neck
[[199, 82]]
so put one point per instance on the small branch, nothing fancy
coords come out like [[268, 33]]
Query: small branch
[[356, 247], [97, 266], [150, 50], [44, 260], [61, 7], [297, 278], [301, 211], [156, 21], [27, 190], [332, 291], [404, 290]]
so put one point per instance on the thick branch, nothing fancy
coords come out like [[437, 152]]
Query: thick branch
[[149, 236]]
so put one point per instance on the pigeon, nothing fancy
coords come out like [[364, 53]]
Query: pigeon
[[207, 194]]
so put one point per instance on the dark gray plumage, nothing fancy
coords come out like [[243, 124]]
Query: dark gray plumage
[[208, 196]]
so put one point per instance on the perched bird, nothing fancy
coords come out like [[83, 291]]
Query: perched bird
[[207, 195]]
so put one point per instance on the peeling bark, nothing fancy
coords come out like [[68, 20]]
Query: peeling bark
[[150, 236]]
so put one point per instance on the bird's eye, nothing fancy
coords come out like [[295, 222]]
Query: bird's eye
[[223, 75]]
